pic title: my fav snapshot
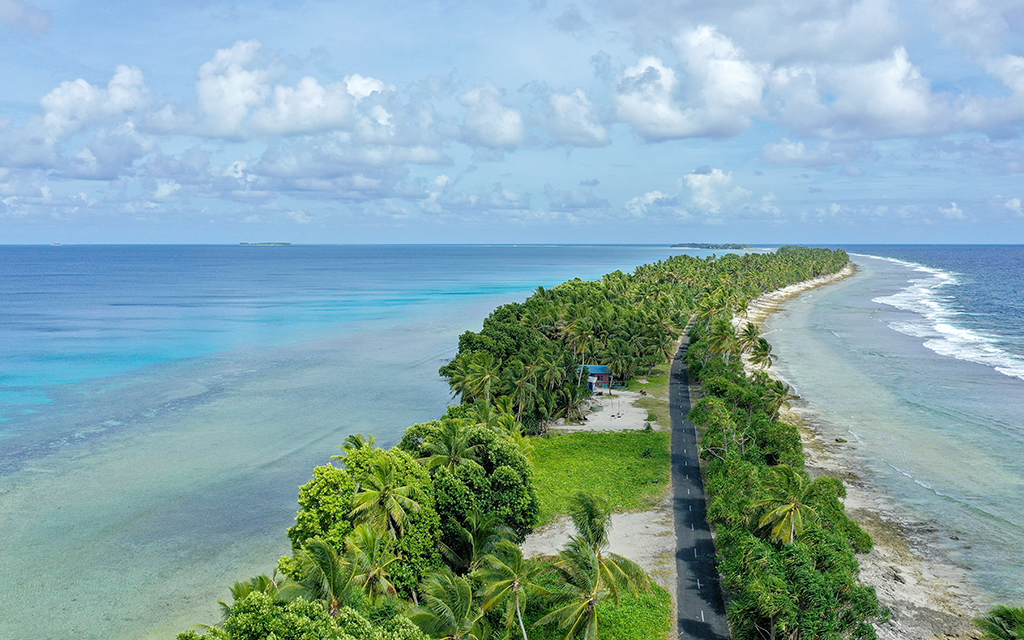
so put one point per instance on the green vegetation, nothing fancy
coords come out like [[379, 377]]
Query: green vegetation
[[707, 245], [419, 541], [1002, 623], [610, 464], [786, 547]]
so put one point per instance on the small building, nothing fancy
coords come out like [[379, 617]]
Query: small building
[[600, 377]]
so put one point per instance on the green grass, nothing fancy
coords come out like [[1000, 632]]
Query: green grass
[[610, 465], [644, 616]]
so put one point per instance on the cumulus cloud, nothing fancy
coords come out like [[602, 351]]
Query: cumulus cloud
[[488, 122], [1014, 205], [714, 191], [724, 94], [640, 205], [571, 119], [109, 153], [19, 14], [76, 104]]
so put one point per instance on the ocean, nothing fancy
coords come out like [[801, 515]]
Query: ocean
[[918, 361], [160, 405]]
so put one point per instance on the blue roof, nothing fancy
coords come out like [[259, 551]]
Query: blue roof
[[597, 368]]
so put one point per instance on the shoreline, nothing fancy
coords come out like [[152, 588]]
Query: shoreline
[[928, 596]]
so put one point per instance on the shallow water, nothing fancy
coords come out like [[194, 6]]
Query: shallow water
[[928, 397], [162, 404]]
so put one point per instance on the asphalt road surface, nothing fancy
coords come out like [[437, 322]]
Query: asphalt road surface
[[701, 608]]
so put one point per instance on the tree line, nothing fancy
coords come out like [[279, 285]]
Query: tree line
[[421, 540]]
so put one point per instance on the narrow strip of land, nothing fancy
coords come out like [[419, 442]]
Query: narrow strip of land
[[701, 608]]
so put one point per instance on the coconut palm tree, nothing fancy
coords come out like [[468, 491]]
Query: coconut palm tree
[[370, 554], [587, 573], [449, 610], [748, 336], [1002, 623], [786, 507], [261, 583], [761, 354], [383, 500], [509, 581], [326, 576], [450, 445], [354, 442], [477, 538], [481, 376]]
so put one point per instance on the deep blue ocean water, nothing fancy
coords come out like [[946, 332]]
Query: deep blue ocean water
[[918, 361], [159, 405]]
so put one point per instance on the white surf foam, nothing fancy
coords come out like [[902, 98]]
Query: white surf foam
[[926, 296]]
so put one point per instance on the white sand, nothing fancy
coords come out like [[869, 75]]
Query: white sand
[[611, 412]]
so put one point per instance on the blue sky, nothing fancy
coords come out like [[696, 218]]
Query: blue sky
[[767, 121]]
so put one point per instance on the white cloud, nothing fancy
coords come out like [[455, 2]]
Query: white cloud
[[361, 87], [165, 189], [300, 217], [76, 104], [638, 206], [227, 87], [306, 108], [953, 212], [724, 94], [488, 122], [712, 191], [571, 119], [1014, 205]]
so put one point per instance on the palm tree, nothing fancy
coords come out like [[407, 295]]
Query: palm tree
[[386, 503], [239, 590], [748, 336], [778, 394], [369, 552], [761, 354], [326, 576], [786, 504], [450, 446], [510, 580], [1002, 623], [592, 518], [587, 573], [449, 609], [481, 375], [354, 442], [478, 537]]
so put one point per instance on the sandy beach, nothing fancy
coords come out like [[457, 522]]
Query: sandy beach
[[927, 597]]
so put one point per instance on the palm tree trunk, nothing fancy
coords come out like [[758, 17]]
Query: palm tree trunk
[[519, 615]]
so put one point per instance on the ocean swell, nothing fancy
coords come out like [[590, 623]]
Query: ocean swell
[[926, 296]]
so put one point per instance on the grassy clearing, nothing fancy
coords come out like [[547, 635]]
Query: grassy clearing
[[628, 468]]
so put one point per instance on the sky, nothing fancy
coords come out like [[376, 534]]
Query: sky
[[524, 121]]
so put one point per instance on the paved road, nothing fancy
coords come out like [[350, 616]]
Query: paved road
[[701, 609]]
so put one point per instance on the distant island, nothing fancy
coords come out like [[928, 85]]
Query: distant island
[[264, 244], [706, 245]]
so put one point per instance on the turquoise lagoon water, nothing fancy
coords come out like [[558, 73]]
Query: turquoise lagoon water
[[159, 405], [918, 361]]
